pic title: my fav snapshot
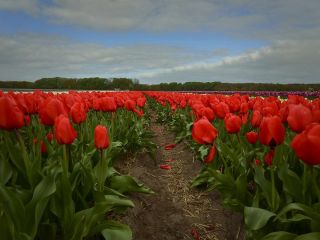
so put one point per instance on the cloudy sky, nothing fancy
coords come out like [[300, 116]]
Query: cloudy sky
[[161, 40]]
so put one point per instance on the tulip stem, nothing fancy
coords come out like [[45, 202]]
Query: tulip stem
[[315, 182], [65, 161], [81, 137], [67, 201], [112, 124], [240, 143], [304, 183], [273, 193], [25, 157], [306, 172], [102, 171]]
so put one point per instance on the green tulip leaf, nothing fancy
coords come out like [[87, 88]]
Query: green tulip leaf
[[114, 200], [291, 182], [127, 183], [266, 187], [309, 236], [5, 170], [116, 231], [279, 236], [308, 211], [256, 218], [36, 207], [13, 207]]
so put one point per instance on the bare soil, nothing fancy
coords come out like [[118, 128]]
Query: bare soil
[[175, 211]]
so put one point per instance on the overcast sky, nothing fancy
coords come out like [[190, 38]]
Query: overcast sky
[[161, 40]]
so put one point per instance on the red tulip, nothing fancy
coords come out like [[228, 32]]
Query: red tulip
[[96, 104], [139, 112], [11, 117], [204, 132], [130, 105], [316, 115], [269, 158], [78, 113], [252, 137], [244, 107], [183, 103], [283, 114], [173, 107], [257, 162], [101, 137], [27, 119], [244, 118], [42, 145], [49, 136], [20, 100], [107, 104], [256, 119], [119, 101], [307, 144], [221, 109], [208, 113], [272, 131], [299, 117], [64, 133], [210, 157], [141, 102], [232, 123], [31, 103], [50, 109]]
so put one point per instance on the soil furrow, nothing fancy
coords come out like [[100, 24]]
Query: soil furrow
[[175, 211]]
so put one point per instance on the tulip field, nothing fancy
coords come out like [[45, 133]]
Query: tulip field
[[60, 155]]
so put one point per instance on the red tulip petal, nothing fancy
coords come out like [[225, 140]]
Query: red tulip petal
[[170, 146], [165, 167]]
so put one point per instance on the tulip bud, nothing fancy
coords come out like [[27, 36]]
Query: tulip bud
[[272, 131], [63, 131], [307, 144], [101, 138], [11, 117], [203, 132], [210, 157], [252, 137], [232, 123], [299, 117]]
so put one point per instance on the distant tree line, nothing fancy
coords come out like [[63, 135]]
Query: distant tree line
[[133, 84]]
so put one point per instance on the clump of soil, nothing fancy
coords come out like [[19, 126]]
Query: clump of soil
[[175, 211]]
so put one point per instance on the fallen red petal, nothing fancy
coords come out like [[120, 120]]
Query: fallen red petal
[[165, 167], [195, 234], [170, 146]]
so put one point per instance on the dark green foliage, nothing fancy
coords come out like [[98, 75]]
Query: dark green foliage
[[96, 83]]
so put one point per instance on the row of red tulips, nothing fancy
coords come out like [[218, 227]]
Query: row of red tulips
[[269, 115], [57, 179], [262, 154]]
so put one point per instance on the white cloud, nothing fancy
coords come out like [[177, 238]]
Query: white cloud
[[272, 19], [291, 27], [284, 62], [28, 57], [29, 6]]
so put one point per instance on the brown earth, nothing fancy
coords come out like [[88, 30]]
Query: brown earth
[[175, 211]]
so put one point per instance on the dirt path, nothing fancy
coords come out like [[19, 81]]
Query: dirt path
[[175, 211]]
